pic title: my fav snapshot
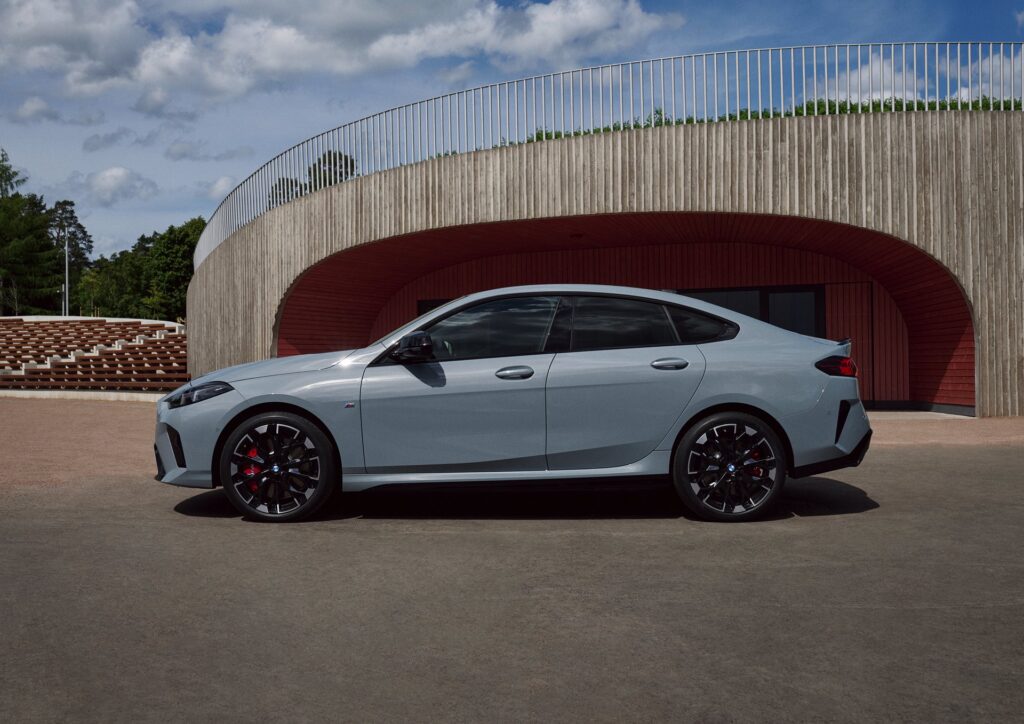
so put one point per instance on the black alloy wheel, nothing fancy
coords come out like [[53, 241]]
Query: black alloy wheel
[[730, 466], [277, 467]]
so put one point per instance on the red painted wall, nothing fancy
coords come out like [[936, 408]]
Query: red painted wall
[[848, 291], [912, 330]]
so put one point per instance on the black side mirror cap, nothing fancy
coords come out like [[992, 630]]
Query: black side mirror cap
[[414, 347]]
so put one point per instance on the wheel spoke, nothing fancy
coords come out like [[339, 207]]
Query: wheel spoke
[[732, 467], [284, 466]]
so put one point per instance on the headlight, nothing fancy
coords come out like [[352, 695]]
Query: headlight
[[198, 393]]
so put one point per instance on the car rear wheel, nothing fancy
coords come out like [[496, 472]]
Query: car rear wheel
[[277, 466], [730, 466]]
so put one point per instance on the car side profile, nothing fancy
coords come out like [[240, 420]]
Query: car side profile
[[532, 383]]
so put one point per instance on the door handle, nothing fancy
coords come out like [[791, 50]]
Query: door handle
[[669, 363], [519, 372]]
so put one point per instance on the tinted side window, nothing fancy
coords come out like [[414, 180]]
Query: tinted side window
[[499, 328], [610, 323], [695, 328], [561, 328]]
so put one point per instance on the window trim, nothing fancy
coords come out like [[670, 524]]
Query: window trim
[[733, 328]]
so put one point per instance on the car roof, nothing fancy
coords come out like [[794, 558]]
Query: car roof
[[666, 296], [653, 295]]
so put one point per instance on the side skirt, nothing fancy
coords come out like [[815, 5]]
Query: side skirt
[[657, 463]]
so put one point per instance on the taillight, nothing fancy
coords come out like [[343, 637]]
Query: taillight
[[838, 366]]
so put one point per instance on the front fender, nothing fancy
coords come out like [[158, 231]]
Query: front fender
[[331, 398]]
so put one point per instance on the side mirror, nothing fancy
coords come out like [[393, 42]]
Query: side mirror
[[414, 347]]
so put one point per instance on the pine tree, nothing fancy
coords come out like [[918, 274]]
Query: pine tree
[[30, 265], [10, 179]]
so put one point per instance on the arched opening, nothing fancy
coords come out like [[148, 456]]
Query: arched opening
[[911, 325]]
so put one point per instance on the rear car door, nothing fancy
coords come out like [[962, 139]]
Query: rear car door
[[623, 383], [478, 406]]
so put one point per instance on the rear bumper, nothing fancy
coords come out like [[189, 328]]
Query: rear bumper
[[851, 460]]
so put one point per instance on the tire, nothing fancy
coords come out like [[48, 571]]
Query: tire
[[278, 466], [709, 487]]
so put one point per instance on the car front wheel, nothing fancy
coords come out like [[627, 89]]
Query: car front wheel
[[730, 466], [277, 466]]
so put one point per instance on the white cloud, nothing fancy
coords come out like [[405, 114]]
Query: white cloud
[[877, 78], [156, 102], [90, 42], [456, 76], [100, 141], [191, 150], [35, 109], [562, 33], [101, 44], [874, 79], [109, 186], [220, 188]]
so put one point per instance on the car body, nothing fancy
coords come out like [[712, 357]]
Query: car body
[[537, 382]]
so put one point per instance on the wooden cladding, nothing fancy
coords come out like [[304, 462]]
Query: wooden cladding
[[946, 187]]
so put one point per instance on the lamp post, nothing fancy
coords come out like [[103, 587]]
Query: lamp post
[[67, 277]]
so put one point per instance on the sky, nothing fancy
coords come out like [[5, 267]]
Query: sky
[[147, 113]]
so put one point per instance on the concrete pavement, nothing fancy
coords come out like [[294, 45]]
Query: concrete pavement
[[890, 592]]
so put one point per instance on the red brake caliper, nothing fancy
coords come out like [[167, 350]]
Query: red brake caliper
[[253, 469], [757, 456]]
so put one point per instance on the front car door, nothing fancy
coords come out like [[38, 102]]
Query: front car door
[[477, 407], [625, 380]]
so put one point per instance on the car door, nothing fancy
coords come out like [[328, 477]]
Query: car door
[[478, 406], [623, 383]]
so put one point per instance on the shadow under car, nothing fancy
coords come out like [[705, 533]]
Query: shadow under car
[[577, 499]]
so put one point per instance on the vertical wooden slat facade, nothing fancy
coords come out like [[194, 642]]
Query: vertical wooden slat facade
[[947, 186]]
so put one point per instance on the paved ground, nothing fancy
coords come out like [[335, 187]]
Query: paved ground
[[890, 592]]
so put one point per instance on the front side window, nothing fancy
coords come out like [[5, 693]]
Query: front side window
[[614, 323], [498, 328]]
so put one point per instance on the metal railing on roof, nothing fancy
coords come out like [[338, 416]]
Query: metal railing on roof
[[698, 88]]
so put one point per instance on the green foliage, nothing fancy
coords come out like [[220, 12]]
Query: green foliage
[[818, 107], [65, 228], [150, 280], [30, 264], [330, 168], [10, 179], [170, 268]]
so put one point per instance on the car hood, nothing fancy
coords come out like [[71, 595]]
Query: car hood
[[275, 366]]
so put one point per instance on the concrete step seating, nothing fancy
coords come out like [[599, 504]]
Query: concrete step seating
[[92, 354]]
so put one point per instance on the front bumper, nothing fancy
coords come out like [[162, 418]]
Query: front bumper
[[186, 436]]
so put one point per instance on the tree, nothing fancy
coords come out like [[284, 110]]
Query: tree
[[10, 179], [30, 265], [332, 167], [170, 268], [65, 227], [150, 280], [284, 190]]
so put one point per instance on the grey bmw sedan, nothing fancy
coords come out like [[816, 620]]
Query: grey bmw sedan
[[527, 383]]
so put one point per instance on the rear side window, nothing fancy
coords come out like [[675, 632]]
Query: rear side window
[[696, 328], [498, 328], [614, 323]]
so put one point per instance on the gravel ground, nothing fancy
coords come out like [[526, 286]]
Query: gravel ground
[[893, 591]]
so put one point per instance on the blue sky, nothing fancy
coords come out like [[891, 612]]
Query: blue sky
[[146, 113]]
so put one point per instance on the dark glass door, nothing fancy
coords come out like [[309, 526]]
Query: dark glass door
[[799, 309]]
